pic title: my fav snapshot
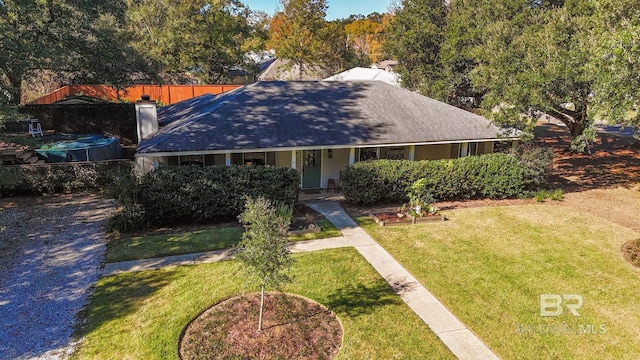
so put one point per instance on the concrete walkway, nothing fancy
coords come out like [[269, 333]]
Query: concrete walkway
[[451, 331], [460, 340], [222, 255]]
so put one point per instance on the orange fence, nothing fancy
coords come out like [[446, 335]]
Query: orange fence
[[167, 94]]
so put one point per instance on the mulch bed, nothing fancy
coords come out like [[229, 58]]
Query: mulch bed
[[293, 328], [614, 160], [631, 252]]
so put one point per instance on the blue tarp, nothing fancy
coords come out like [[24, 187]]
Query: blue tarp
[[83, 148]]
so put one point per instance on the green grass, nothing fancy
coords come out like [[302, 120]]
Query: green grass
[[490, 266], [194, 242], [141, 315], [173, 244]]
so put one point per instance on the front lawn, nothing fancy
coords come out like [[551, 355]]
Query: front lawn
[[141, 315], [490, 266], [145, 247], [153, 246]]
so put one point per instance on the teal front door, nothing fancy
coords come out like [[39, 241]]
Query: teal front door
[[311, 169]]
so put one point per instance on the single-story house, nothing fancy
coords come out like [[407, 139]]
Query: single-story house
[[317, 127]]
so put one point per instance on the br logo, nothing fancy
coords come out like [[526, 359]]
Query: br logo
[[553, 304]]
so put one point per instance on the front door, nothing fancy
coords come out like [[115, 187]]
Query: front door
[[311, 169]]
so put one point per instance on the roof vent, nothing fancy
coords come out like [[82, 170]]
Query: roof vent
[[145, 98]]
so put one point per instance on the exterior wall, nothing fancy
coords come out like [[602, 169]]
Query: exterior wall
[[433, 152], [485, 148], [331, 167]]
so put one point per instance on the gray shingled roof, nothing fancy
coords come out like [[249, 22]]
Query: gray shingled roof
[[311, 114]]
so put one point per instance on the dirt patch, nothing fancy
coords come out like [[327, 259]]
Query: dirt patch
[[12, 202], [631, 252], [293, 328], [619, 205]]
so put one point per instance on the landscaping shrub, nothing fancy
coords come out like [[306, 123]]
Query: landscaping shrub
[[54, 178], [487, 176], [555, 195], [193, 194]]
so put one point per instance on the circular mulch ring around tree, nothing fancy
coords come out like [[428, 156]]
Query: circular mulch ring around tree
[[294, 327], [631, 252]]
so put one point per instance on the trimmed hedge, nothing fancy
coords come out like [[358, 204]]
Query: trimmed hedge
[[193, 194], [59, 177], [486, 176]]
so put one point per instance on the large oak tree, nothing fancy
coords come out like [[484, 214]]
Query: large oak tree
[[575, 60], [87, 39]]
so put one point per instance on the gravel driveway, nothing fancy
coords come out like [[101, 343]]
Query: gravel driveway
[[51, 253]]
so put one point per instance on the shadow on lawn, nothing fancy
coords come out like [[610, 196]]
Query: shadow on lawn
[[361, 299], [120, 295]]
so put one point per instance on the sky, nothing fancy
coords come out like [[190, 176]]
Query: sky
[[337, 8]]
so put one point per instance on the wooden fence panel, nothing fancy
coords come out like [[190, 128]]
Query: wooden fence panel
[[166, 94]]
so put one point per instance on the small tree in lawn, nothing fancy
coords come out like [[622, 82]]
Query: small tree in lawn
[[263, 249]]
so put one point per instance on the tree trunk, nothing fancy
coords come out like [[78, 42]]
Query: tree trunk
[[261, 307], [15, 89], [576, 121], [577, 127]]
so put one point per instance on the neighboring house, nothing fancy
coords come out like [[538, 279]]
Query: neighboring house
[[317, 127], [361, 73], [387, 65], [284, 70]]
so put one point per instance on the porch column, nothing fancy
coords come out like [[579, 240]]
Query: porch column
[[227, 159], [352, 156], [294, 162], [412, 152]]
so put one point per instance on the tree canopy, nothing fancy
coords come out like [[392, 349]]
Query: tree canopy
[[415, 37], [575, 60], [366, 36], [117, 42], [296, 32], [203, 39], [86, 38]]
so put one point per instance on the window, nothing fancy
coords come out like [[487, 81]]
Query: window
[[255, 158], [310, 159], [473, 148], [368, 154], [468, 149], [395, 153], [191, 160]]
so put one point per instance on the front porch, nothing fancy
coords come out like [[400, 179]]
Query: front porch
[[320, 168]]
